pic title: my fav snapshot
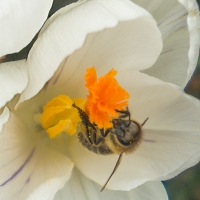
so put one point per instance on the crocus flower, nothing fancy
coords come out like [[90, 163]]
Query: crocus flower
[[105, 34]]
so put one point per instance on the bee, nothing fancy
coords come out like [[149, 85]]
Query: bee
[[124, 136]]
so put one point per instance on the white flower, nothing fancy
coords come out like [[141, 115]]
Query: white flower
[[20, 20], [104, 34]]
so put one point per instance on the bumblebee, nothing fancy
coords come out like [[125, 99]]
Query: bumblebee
[[124, 136]]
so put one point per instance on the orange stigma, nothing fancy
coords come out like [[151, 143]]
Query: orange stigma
[[105, 97]]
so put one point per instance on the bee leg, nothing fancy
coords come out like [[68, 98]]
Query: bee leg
[[87, 135], [99, 140], [104, 134], [87, 122], [95, 140], [91, 125], [124, 113], [84, 117]]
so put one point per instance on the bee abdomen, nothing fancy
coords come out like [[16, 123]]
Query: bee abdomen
[[104, 150], [101, 148]]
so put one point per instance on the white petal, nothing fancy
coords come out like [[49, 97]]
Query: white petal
[[113, 33], [79, 187], [19, 22], [171, 136], [29, 170], [179, 25], [191, 162], [48, 189], [193, 22], [194, 100], [194, 159], [59, 12], [13, 80], [4, 117], [157, 100]]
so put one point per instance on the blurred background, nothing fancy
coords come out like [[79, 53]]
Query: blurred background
[[185, 186]]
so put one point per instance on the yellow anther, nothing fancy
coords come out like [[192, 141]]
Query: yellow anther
[[59, 116]]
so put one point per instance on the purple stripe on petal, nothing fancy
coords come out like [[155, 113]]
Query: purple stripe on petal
[[146, 140], [20, 169], [28, 180]]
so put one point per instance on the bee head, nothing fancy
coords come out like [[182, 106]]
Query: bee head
[[126, 130]]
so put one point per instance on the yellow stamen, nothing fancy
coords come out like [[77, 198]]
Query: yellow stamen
[[59, 116], [105, 97]]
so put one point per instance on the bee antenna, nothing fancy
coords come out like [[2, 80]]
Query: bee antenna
[[115, 168], [144, 121]]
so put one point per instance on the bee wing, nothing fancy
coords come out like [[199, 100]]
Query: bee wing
[[114, 170]]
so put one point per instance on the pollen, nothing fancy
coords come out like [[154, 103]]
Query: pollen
[[104, 98], [59, 116]]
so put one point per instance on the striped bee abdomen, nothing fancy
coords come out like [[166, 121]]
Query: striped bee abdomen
[[101, 148]]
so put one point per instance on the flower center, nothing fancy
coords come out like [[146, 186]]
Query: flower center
[[105, 97], [59, 116]]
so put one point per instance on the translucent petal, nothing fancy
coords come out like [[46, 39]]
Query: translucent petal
[[4, 117], [79, 187], [29, 170], [13, 79], [178, 21], [19, 23], [98, 33]]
